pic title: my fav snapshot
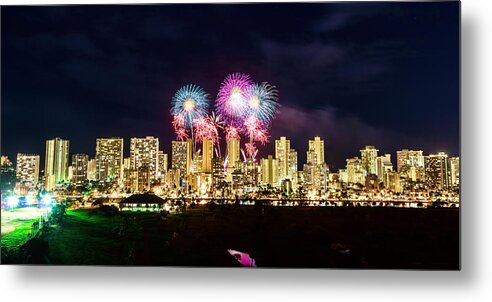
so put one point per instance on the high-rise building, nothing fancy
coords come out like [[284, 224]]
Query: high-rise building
[[383, 164], [56, 162], [292, 173], [7, 176], [343, 175], [233, 155], [91, 170], [172, 179], [79, 168], [207, 155], [70, 173], [162, 164], [355, 171], [250, 176], [143, 173], [282, 151], [317, 146], [130, 180], [218, 173], [316, 176], [437, 171], [269, 171], [368, 157], [127, 163], [109, 159], [315, 171], [181, 156], [410, 164], [196, 163], [144, 153], [454, 163], [27, 173], [392, 181]]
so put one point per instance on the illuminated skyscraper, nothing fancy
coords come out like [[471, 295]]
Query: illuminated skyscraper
[[162, 164], [269, 171], [207, 155], [109, 159], [282, 150], [383, 164], [454, 164], [7, 176], [315, 170], [368, 157], [27, 173], [79, 168], [343, 175], [392, 181], [91, 169], [293, 168], [410, 164], [196, 163], [250, 176], [127, 163], [144, 179], [70, 173], [317, 148], [437, 171], [130, 180], [56, 162], [144, 153], [181, 156], [218, 174], [355, 171], [233, 155]]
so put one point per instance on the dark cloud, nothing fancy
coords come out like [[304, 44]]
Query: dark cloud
[[306, 57], [344, 135], [340, 17], [46, 43]]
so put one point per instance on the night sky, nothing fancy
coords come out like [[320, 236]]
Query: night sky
[[385, 74]]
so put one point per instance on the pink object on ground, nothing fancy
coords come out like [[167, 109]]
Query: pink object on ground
[[243, 258]]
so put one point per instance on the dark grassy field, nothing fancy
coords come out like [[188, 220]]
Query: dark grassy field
[[274, 236]]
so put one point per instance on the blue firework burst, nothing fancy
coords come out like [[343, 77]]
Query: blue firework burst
[[262, 101], [191, 102]]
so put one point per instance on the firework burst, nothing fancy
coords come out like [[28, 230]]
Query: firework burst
[[218, 123], [216, 120], [257, 132], [179, 122], [262, 101], [190, 102], [231, 99], [231, 132], [205, 129]]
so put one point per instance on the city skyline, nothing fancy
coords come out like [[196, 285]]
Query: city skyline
[[266, 150], [381, 92], [202, 172]]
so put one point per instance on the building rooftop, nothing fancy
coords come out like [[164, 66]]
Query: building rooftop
[[143, 198]]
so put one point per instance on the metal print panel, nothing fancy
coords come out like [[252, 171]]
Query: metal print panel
[[304, 135]]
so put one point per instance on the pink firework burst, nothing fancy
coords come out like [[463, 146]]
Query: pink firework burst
[[179, 122], [205, 129], [262, 136], [231, 100], [231, 132], [257, 132], [250, 149]]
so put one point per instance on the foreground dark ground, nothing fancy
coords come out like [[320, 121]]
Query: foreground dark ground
[[275, 236]]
